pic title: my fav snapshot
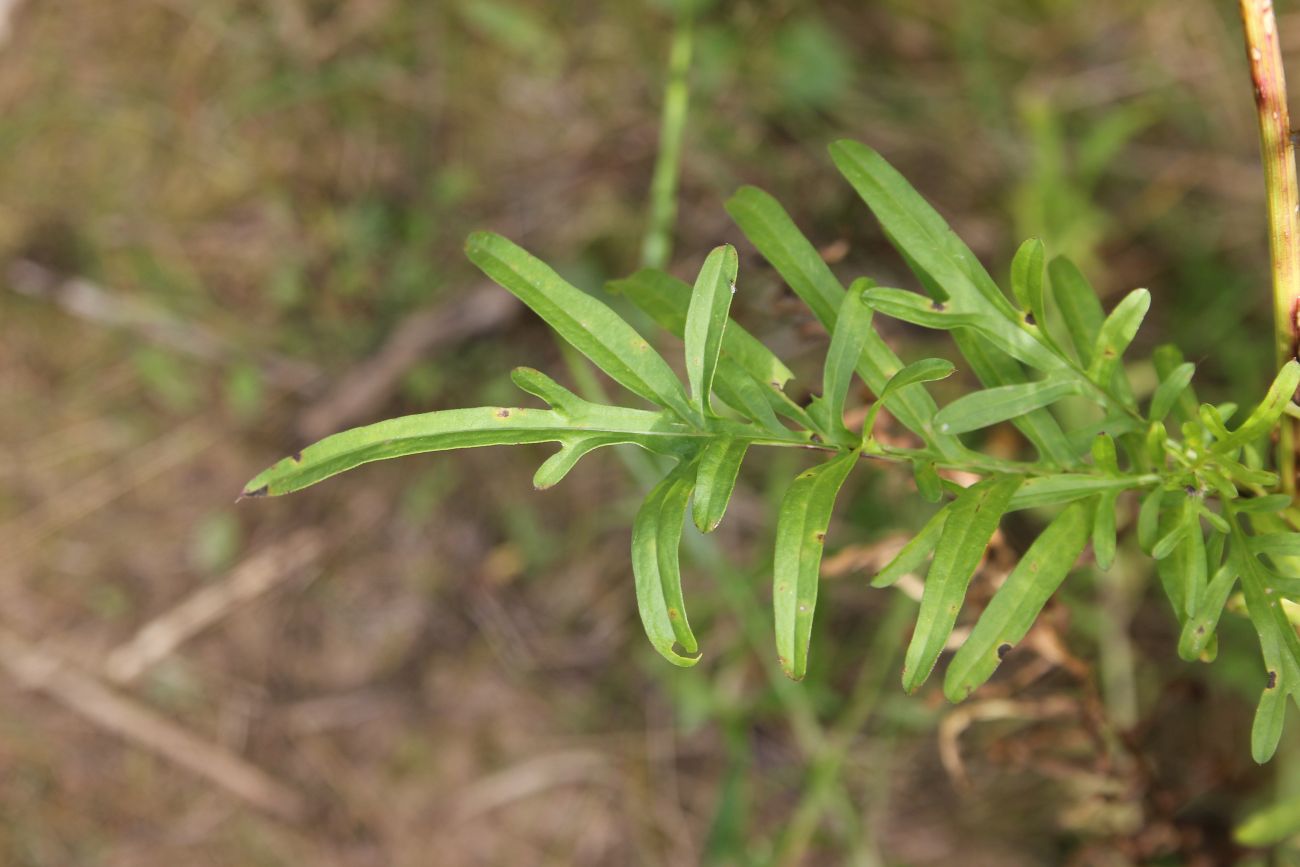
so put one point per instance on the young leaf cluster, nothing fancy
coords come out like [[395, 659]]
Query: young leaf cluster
[[1208, 517]]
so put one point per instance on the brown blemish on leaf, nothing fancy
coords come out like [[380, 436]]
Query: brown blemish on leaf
[[937, 305], [296, 457], [1030, 320], [1003, 650], [1295, 327], [1272, 680], [820, 537], [503, 413], [672, 614], [259, 492]]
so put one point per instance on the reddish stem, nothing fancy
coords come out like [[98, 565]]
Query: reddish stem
[[1264, 52]]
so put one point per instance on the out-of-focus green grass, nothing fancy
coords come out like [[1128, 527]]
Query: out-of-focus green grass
[[462, 679]]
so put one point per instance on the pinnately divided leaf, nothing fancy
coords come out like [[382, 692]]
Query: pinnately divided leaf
[[444, 430], [928, 483], [666, 300], [1278, 644], [1167, 360], [656, 537], [947, 266], [587, 324], [1027, 278], [915, 552], [1103, 530], [749, 378], [925, 370], [1196, 477], [852, 329], [1116, 333], [706, 320], [1065, 488], [575, 423], [1077, 301], [800, 537], [719, 465], [971, 520], [926, 241], [1193, 565], [1017, 603], [1170, 389], [916, 229], [984, 408], [770, 229], [1265, 416], [1199, 628]]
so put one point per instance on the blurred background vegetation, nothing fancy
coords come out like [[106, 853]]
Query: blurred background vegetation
[[230, 227]]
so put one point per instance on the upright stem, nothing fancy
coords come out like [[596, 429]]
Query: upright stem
[[1264, 51], [657, 246]]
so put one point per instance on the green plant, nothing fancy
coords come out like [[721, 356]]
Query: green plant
[[1208, 514]]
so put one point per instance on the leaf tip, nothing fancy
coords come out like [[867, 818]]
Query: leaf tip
[[956, 693], [251, 493]]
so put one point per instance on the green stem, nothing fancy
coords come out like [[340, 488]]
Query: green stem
[[658, 243], [828, 765], [1264, 53]]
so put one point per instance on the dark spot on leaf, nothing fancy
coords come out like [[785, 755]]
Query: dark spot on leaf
[[260, 492], [1190, 490], [1108, 352], [814, 439], [503, 413], [937, 305], [1030, 320], [1200, 630], [672, 614], [1272, 680], [296, 457], [820, 537], [1003, 650]]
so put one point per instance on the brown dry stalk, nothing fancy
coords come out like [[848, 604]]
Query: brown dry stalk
[[1264, 52], [37, 669], [255, 576]]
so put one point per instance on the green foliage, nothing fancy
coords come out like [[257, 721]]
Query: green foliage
[[800, 537], [706, 317], [1016, 605], [1210, 515]]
